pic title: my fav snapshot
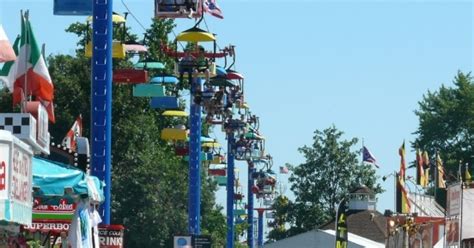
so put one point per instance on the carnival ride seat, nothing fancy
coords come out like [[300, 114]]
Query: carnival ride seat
[[118, 50], [238, 196], [164, 102], [269, 214], [221, 82], [174, 134], [178, 8], [239, 212], [205, 156], [149, 90], [218, 159], [253, 136], [268, 201], [130, 76], [221, 180], [175, 113], [72, 7], [181, 150], [135, 48], [217, 172], [164, 79], [118, 46], [149, 65], [198, 70]]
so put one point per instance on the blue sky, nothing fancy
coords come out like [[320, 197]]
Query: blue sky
[[361, 65]]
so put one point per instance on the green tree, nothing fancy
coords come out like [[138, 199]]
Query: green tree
[[149, 183], [331, 170], [446, 123]]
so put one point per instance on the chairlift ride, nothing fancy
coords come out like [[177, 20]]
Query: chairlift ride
[[118, 46], [178, 8], [73, 7]]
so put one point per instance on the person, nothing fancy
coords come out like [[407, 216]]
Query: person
[[186, 65], [202, 62]]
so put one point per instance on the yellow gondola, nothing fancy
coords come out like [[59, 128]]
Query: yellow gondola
[[116, 18], [118, 47], [218, 159], [195, 35], [211, 145], [174, 134], [118, 50], [175, 113]]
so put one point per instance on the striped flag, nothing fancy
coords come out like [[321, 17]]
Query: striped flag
[[439, 172], [69, 140], [6, 50], [401, 152], [210, 6], [420, 170], [403, 204], [426, 166], [368, 157], [283, 170], [8, 72], [31, 71]]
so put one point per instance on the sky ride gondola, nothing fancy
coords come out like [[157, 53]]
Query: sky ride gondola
[[73, 7], [178, 8], [164, 102], [149, 65], [118, 46], [149, 90], [129, 76], [164, 79]]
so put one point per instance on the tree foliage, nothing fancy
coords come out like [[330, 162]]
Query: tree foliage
[[446, 123], [330, 172], [149, 183]]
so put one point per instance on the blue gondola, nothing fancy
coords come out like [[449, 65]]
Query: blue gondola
[[164, 79], [165, 102], [73, 7]]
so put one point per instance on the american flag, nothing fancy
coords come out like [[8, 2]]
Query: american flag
[[368, 157], [210, 6], [283, 170]]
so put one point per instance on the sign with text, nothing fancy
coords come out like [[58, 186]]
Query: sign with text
[[202, 241], [111, 236], [21, 176], [192, 241], [454, 200], [15, 179], [4, 166]]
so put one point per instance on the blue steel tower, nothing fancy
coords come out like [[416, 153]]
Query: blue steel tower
[[101, 97]]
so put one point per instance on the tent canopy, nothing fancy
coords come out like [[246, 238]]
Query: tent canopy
[[53, 179]]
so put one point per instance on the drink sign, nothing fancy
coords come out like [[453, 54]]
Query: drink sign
[[111, 236]]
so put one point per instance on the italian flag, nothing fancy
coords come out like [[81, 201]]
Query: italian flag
[[6, 50], [29, 69]]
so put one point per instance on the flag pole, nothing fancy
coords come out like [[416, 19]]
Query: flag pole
[[24, 19]]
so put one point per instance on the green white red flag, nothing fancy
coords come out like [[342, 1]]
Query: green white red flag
[[29, 73], [6, 50]]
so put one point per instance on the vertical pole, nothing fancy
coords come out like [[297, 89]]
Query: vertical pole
[[101, 97], [230, 190], [195, 161], [250, 238], [260, 228]]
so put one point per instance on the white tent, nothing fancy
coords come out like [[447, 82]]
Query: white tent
[[323, 238]]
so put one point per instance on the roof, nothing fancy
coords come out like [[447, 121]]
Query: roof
[[425, 205], [360, 222], [323, 238], [362, 190]]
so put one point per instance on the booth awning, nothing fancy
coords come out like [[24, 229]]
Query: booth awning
[[53, 179]]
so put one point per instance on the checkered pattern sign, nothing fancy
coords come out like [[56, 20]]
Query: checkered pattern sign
[[22, 125]]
